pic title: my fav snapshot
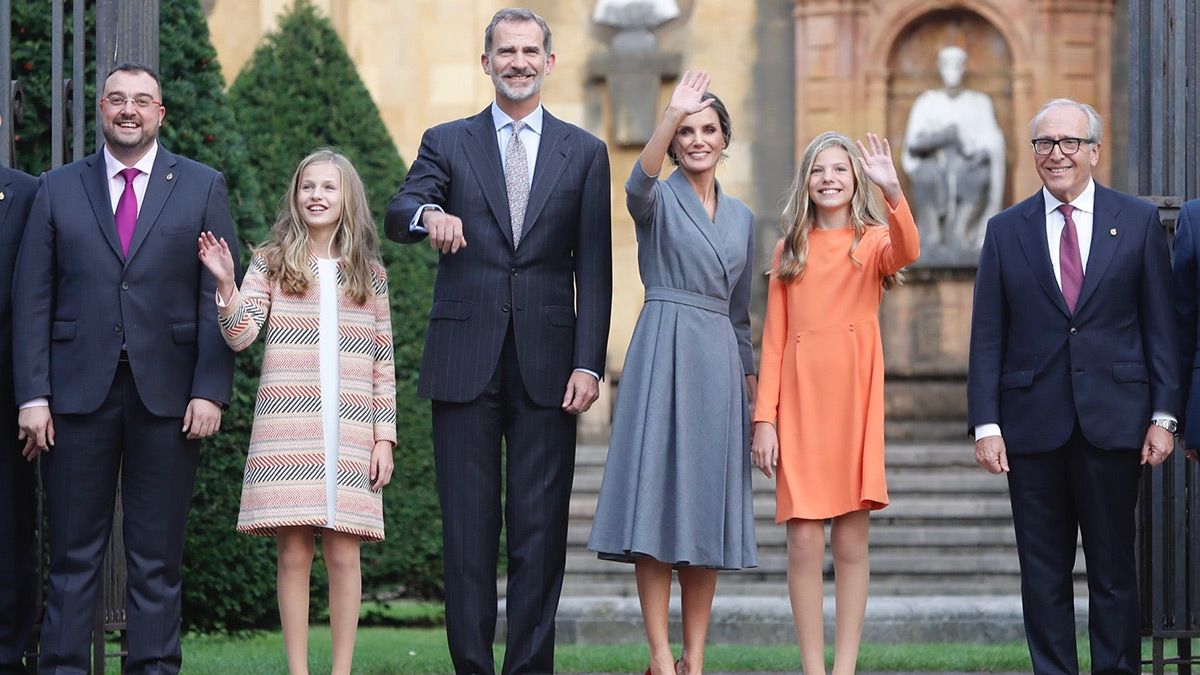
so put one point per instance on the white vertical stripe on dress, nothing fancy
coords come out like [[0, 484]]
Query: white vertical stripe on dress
[[328, 347]]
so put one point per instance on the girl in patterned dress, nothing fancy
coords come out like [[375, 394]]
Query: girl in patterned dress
[[325, 414]]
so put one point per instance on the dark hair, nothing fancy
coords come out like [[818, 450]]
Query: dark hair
[[517, 14], [134, 67], [722, 119]]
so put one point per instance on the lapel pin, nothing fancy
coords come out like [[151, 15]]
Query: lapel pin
[[171, 176], [1113, 232], [1, 196]]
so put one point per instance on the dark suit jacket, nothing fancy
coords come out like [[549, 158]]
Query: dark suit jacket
[[18, 190], [1187, 286], [1034, 368], [77, 299], [556, 287]]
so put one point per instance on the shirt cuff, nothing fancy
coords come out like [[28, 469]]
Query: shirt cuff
[[982, 431], [1164, 415], [415, 224], [585, 370], [36, 403]]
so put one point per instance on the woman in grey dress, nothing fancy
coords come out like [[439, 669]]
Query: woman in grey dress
[[676, 491]]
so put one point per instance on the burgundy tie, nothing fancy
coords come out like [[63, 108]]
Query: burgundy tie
[[127, 210], [1069, 262]]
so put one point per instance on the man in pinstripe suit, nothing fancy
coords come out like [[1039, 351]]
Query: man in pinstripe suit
[[517, 203]]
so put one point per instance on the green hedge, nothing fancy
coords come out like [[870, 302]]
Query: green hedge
[[298, 92]]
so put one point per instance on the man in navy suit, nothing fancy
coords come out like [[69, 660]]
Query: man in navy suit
[[120, 368], [517, 203], [1074, 385], [17, 481], [1187, 287]]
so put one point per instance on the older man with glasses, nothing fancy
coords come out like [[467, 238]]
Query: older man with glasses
[[1074, 386]]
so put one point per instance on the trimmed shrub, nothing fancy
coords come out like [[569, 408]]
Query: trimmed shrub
[[301, 91]]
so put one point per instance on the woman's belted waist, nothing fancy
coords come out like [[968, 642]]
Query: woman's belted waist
[[682, 297]]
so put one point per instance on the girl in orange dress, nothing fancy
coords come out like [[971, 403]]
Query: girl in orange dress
[[818, 421]]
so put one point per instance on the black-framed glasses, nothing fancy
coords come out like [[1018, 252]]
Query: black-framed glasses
[[1069, 146], [142, 101]]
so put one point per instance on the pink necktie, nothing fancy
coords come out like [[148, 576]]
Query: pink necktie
[[127, 210], [1069, 262]]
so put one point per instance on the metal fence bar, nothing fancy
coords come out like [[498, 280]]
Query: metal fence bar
[[78, 60], [6, 140], [57, 108]]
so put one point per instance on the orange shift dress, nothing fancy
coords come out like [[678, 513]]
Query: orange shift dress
[[821, 376]]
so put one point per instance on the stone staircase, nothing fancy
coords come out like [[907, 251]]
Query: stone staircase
[[948, 531]]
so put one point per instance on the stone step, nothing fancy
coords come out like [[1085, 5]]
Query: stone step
[[931, 454], [956, 508], [892, 535], [931, 564], [901, 482]]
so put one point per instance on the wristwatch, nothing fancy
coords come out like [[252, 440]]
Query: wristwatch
[[1171, 426]]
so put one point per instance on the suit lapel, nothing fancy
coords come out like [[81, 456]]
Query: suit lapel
[[162, 181], [553, 151], [1032, 235], [6, 196], [483, 154], [95, 184], [1104, 244]]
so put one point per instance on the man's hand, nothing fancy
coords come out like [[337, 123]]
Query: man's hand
[[991, 454], [1158, 445], [445, 231], [36, 429], [582, 392], [202, 419]]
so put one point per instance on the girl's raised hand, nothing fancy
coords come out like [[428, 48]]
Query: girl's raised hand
[[686, 97], [215, 255], [878, 166]]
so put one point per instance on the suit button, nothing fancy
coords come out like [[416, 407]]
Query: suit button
[[116, 328], [505, 308], [515, 272], [1074, 330], [124, 285]]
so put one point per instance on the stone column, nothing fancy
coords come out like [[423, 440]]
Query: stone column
[[830, 86]]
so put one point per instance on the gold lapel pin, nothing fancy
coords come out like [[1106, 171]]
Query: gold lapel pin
[[171, 176], [1113, 232]]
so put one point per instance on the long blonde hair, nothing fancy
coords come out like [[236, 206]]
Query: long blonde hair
[[866, 210], [286, 249]]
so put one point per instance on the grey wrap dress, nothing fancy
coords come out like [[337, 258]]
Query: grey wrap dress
[[677, 479]]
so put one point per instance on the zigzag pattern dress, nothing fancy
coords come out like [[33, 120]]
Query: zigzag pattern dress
[[288, 481]]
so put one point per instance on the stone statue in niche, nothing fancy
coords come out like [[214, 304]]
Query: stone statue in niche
[[954, 157]]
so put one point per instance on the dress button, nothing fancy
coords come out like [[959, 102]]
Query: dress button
[[505, 308], [1074, 330]]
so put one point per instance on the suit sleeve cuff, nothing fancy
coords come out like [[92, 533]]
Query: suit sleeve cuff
[[415, 224]]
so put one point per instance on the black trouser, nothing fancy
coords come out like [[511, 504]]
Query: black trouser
[[18, 583], [156, 465], [1055, 495], [540, 455]]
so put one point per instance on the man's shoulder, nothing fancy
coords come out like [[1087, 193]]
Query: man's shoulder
[[16, 177], [1021, 210], [575, 133], [187, 164], [1124, 199]]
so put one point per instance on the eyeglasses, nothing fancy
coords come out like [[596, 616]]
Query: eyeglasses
[[1069, 146], [141, 101]]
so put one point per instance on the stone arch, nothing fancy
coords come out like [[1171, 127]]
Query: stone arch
[[899, 18]]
